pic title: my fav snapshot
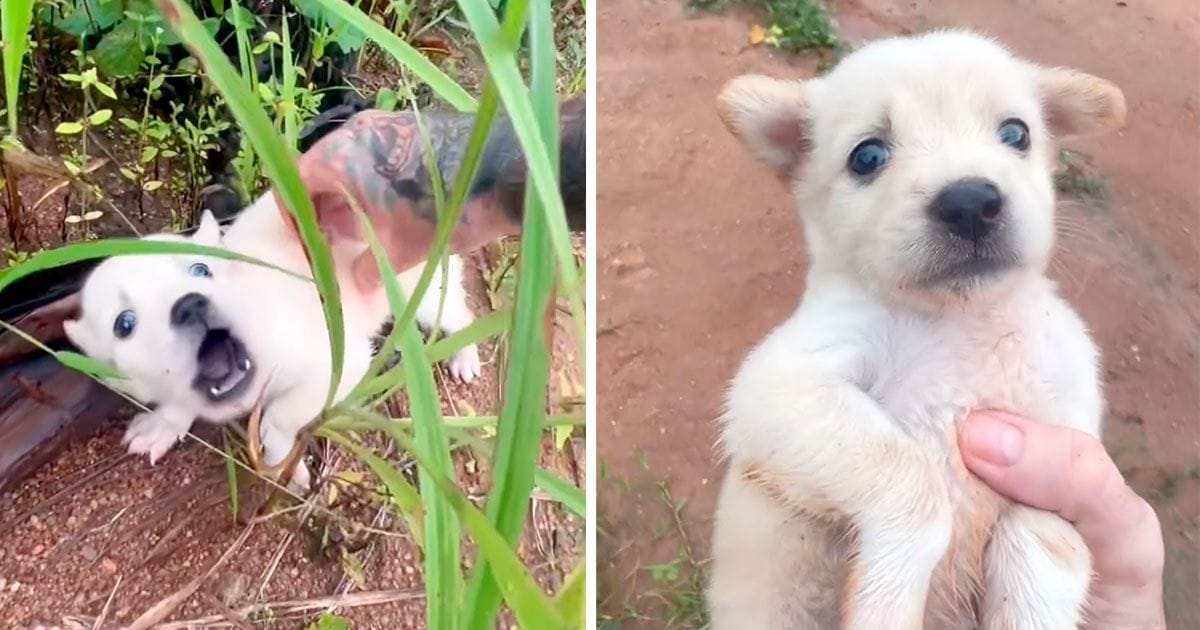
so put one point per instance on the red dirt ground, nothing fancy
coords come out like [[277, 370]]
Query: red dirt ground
[[700, 255]]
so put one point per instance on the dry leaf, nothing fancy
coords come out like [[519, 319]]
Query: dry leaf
[[758, 35]]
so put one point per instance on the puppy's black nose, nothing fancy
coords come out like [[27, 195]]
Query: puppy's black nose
[[968, 208], [189, 310]]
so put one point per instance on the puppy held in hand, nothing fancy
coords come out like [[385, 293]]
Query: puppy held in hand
[[921, 169], [200, 337]]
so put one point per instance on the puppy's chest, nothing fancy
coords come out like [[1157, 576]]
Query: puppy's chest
[[929, 374]]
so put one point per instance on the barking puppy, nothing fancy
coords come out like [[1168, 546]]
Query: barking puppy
[[202, 337], [921, 168]]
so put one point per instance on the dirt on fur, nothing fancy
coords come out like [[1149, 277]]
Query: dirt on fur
[[700, 255]]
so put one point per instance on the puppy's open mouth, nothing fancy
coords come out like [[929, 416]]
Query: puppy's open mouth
[[224, 367]]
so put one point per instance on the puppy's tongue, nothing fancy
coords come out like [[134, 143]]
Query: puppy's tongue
[[215, 357]]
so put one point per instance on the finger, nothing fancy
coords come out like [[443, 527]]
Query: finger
[[1068, 472]]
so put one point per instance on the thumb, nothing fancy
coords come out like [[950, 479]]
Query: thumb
[[1068, 472]]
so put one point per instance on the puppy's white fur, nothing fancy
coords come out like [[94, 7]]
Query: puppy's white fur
[[277, 317], [847, 503]]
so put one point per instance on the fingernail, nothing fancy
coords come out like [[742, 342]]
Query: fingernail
[[993, 439]]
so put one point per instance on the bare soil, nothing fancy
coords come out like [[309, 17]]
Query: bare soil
[[700, 255]]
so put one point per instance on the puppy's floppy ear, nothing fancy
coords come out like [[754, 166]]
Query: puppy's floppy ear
[[1079, 104], [770, 117], [209, 232]]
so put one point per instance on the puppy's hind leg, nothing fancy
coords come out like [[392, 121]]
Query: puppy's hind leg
[[1037, 573], [772, 567], [280, 426], [455, 314]]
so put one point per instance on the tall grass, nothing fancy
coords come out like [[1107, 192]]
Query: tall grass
[[436, 511]]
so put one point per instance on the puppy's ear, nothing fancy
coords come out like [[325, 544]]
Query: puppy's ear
[[209, 232], [770, 117], [1079, 104]]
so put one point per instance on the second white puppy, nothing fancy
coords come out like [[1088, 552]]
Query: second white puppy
[[922, 171]]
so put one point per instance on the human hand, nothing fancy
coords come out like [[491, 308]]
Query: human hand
[[1068, 472]]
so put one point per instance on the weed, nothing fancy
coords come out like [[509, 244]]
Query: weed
[[792, 25], [1075, 179]]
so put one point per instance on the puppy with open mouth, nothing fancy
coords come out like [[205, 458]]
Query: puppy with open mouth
[[200, 337], [922, 171]]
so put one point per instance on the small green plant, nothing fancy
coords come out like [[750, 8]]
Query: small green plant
[[799, 25], [77, 161]]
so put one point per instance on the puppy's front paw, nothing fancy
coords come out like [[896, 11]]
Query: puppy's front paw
[[149, 434], [465, 365]]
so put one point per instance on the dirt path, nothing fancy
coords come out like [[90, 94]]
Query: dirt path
[[700, 256]]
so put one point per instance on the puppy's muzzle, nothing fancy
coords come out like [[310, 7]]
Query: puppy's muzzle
[[223, 365], [968, 209]]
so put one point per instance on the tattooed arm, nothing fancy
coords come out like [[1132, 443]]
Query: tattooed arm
[[378, 158]]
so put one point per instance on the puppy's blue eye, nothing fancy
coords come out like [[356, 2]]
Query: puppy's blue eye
[[869, 156], [1015, 134], [200, 270], [124, 325]]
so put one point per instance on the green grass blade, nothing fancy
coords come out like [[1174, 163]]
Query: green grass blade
[[563, 491], [519, 437], [532, 608], [571, 599], [73, 360], [14, 30], [231, 475], [442, 577], [277, 162], [403, 495], [91, 250], [410, 57], [345, 418], [500, 56], [479, 331]]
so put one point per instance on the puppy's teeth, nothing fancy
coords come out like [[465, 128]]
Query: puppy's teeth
[[214, 390], [246, 364]]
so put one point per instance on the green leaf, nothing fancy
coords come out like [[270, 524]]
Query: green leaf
[[15, 20], [119, 53], [100, 116], [88, 17], [130, 123], [105, 90], [408, 56], [279, 165], [329, 622], [566, 493], [91, 250], [571, 600], [348, 39], [240, 17], [156, 82], [386, 100], [68, 128]]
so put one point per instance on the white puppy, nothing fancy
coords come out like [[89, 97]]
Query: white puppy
[[921, 168], [207, 338]]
